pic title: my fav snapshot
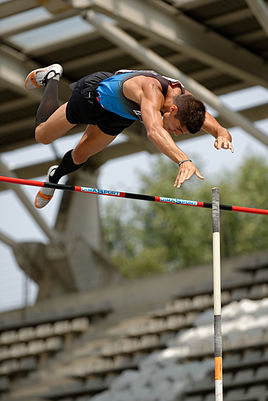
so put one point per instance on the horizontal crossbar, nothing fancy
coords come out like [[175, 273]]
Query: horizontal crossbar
[[118, 194]]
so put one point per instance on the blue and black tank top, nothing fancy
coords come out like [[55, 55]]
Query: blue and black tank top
[[110, 92]]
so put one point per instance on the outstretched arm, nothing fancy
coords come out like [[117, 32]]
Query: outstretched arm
[[151, 100]]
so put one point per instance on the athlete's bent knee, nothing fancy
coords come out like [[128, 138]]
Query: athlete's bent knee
[[40, 135]]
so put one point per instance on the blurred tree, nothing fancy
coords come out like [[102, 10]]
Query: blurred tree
[[146, 238]]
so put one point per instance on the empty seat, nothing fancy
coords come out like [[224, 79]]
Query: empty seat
[[166, 337], [175, 321], [18, 350], [225, 297], [265, 355], [256, 390], [4, 353], [44, 330], [36, 347], [253, 336], [62, 327], [9, 367], [258, 291], [26, 334], [244, 376], [252, 356], [228, 377], [180, 305], [53, 344], [235, 394], [231, 360], [235, 338], [265, 336], [239, 293], [8, 337], [262, 274], [201, 302], [80, 325], [204, 318], [262, 373], [28, 364]]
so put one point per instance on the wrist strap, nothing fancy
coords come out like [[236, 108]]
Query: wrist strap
[[186, 160]]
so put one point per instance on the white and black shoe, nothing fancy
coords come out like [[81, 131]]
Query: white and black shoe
[[39, 77], [44, 195]]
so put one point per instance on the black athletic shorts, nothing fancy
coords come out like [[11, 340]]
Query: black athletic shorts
[[83, 107]]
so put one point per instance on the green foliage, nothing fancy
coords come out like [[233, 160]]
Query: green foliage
[[147, 238]]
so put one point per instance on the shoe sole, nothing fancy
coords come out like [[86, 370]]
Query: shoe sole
[[31, 77], [44, 197]]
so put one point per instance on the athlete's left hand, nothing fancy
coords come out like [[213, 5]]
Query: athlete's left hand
[[224, 142]]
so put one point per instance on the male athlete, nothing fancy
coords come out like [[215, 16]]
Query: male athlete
[[109, 103]]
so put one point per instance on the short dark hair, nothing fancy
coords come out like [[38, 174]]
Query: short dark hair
[[191, 112]]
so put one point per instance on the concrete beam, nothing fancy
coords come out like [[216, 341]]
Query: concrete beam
[[228, 18], [186, 35], [12, 7], [189, 4], [55, 6], [260, 10], [7, 240]]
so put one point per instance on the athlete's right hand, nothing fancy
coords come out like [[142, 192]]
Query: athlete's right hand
[[186, 170]]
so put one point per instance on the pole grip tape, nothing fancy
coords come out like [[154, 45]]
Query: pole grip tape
[[217, 336], [215, 210]]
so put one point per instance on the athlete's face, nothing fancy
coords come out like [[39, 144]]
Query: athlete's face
[[173, 124]]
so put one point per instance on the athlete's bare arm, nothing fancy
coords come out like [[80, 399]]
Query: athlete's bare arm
[[211, 126], [223, 138], [149, 96]]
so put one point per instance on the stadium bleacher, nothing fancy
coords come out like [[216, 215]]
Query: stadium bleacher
[[144, 354]]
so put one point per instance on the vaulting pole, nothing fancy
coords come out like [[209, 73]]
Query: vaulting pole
[[217, 294], [128, 195]]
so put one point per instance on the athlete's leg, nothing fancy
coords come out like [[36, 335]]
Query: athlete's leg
[[54, 127], [49, 102], [51, 122], [93, 141]]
